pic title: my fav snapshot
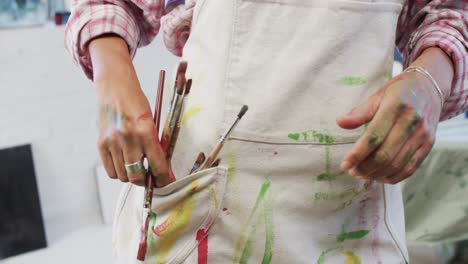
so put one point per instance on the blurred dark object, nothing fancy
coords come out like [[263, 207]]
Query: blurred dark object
[[461, 250], [397, 56], [21, 224], [61, 18]]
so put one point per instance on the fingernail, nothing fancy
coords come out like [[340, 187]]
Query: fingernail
[[345, 165]]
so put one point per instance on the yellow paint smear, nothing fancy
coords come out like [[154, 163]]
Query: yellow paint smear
[[351, 258], [190, 113], [175, 225]]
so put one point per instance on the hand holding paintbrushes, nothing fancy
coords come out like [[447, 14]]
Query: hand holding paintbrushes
[[169, 139]]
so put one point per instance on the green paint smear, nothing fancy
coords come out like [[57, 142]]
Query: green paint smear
[[355, 194], [295, 136], [248, 246], [312, 136], [353, 80], [324, 255], [269, 229], [353, 235], [333, 196], [150, 234]]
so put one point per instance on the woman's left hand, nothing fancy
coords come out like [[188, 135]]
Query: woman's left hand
[[402, 119]]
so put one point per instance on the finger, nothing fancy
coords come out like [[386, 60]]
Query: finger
[[416, 140], [132, 153], [373, 166], [359, 115], [106, 159], [374, 135], [156, 157], [366, 111], [117, 157], [411, 166]]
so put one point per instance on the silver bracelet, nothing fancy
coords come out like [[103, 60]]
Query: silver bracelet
[[429, 76]]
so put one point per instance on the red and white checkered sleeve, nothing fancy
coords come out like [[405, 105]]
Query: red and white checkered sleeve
[[137, 22], [443, 24]]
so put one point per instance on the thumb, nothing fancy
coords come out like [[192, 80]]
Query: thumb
[[360, 115]]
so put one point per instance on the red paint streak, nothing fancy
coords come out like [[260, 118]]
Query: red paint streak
[[143, 241], [166, 139], [224, 209], [202, 239]]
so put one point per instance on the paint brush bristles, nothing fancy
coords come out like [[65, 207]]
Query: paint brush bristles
[[169, 123], [223, 138], [216, 163], [178, 113], [200, 159]]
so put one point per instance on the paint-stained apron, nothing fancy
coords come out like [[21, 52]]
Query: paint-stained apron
[[278, 195]]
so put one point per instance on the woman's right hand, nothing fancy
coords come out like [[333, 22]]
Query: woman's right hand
[[127, 132]]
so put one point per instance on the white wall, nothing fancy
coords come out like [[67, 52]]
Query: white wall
[[45, 100]]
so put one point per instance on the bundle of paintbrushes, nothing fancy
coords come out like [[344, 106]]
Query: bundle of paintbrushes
[[169, 137]]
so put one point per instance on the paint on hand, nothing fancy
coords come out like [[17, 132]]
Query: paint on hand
[[190, 113], [312, 136], [174, 226], [353, 80], [353, 235], [351, 258], [202, 239]]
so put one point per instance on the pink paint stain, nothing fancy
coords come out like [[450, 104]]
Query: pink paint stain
[[226, 210], [275, 153], [202, 239]]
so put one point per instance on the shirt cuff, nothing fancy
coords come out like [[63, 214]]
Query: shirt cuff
[[453, 44], [88, 23]]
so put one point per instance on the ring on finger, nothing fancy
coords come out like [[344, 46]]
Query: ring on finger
[[135, 167]]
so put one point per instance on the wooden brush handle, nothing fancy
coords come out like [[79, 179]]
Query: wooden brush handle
[[212, 157]]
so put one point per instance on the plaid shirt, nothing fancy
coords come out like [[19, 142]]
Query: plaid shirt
[[422, 24]]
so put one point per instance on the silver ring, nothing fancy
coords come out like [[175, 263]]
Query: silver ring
[[134, 167]]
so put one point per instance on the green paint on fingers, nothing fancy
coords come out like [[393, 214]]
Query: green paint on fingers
[[353, 235], [353, 80]]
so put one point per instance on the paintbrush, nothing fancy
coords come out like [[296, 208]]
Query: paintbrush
[[216, 163], [178, 113], [178, 93], [159, 99], [149, 178], [209, 161], [200, 159]]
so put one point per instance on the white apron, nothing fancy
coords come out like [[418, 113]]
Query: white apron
[[278, 195]]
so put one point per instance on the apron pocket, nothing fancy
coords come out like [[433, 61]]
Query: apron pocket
[[182, 215], [297, 80], [182, 211]]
